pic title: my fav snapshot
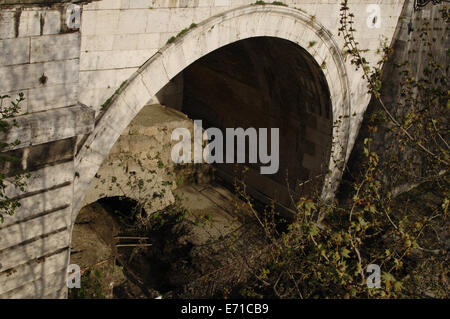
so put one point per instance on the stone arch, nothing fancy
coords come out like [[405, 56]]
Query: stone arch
[[213, 33]]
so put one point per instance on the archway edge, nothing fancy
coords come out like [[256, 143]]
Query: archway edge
[[215, 32]]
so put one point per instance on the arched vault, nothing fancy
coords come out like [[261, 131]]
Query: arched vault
[[218, 31]]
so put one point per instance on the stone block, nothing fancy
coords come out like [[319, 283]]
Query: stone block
[[97, 42], [51, 97], [30, 23], [32, 270], [14, 51], [107, 22], [19, 255], [15, 234], [136, 41], [55, 47]]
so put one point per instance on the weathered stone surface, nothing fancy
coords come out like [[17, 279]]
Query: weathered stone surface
[[203, 39], [28, 272], [43, 47], [147, 140], [31, 1], [44, 179], [21, 254], [14, 51], [29, 23], [32, 158], [124, 40], [7, 24], [274, 84], [408, 46], [52, 125], [15, 234], [52, 97], [41, 203], [41, 287], [27, 76]]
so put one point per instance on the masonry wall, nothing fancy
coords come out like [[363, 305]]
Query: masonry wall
[[65, 88], [39, 57], [118, 36], [144, 148], [273, 84], [407, 46]]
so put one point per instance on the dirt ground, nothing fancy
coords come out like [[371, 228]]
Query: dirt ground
[[200, 248]]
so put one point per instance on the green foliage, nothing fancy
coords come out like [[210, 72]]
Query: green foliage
[[92, 286], [9, 205], [326, 249]]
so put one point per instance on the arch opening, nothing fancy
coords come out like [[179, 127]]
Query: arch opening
[[263, 82], [279, 70], [260, 82], [214, 33]]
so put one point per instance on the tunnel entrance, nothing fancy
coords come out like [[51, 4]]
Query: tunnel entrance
[[263, 82], [256, 83]]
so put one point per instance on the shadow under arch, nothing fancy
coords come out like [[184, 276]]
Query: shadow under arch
[[263, 83], [220, 30]]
